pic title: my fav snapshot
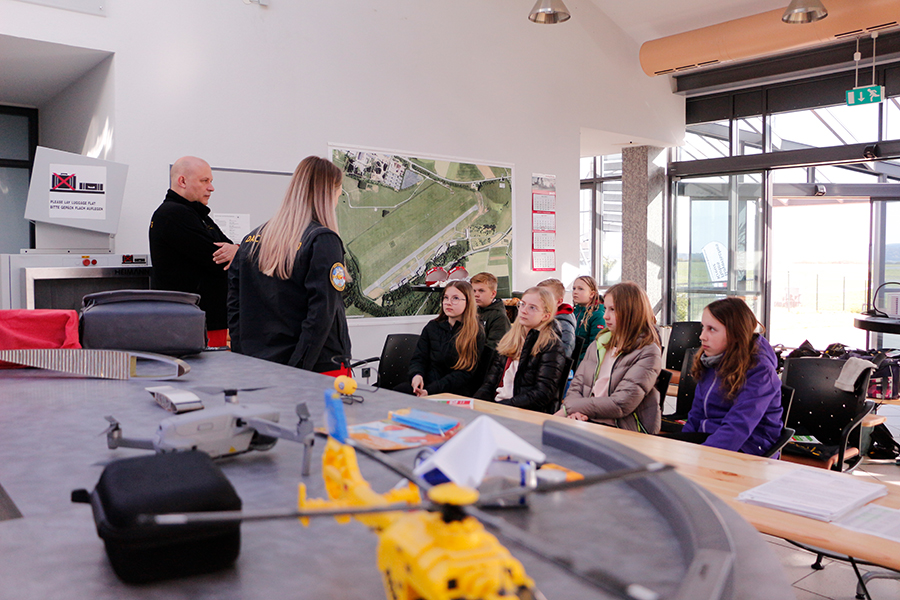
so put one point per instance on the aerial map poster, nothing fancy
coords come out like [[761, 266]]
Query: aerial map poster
[[401, 216]]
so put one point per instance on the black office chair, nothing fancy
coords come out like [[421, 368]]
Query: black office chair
[[662, 386], [685, 335], [576, 350], [488, 355], [832, 415], [393, 364], [563, 382], [787, 397], [685, 396]]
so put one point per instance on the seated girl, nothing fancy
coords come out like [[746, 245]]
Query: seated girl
[[737, 403], [449, 347], [615, 383], [588, 313], [529, 366]]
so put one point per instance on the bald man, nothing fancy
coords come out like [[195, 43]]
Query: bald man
[[188, 250]]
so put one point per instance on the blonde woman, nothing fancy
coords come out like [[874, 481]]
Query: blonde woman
[[449, 347], [614, 384], [530, 360], [588, 313], [285, 285]]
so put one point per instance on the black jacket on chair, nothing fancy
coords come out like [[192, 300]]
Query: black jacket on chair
[[536, 384]]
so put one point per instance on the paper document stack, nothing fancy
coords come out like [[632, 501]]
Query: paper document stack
[[821, 495]]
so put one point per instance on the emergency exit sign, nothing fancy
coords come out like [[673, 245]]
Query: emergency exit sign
[[872, 94]]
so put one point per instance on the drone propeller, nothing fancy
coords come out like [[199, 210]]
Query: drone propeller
[[230, 392], [113, 425]]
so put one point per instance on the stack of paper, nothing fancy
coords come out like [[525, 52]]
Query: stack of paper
[[816, 494]]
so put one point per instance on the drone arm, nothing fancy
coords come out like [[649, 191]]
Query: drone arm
[[115, 440], [303, 434]]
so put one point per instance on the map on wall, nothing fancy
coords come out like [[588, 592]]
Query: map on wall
[[403, 217]]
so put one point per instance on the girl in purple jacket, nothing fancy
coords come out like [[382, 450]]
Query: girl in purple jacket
[[737, 403]]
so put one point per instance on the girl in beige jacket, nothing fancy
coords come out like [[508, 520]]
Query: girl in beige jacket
[[614, 384]]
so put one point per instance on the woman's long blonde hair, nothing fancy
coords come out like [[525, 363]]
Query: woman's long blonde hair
[[309, 197], [635, 322], [510, 345], [467, 338]]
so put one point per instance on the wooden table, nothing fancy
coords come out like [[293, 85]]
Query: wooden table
[[727, 474]]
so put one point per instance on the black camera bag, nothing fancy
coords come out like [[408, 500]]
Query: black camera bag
[[176, 482]]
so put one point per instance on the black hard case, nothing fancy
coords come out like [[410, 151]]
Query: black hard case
[[160, 321], [165, 483]]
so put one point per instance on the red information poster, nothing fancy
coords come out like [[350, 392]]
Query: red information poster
[[543, 222]]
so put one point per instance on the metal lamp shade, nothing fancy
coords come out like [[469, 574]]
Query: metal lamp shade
[[804, 11], [549, 12]]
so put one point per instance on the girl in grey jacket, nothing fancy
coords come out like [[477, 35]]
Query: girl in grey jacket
[[614, 384]]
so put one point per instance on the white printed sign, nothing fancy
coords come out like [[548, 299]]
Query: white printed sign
[[77, 192], [716, 257], [234, 225]]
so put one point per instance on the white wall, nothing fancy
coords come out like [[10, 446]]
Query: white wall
[[253, 87]]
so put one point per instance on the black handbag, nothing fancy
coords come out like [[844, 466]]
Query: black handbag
[[159, 321]]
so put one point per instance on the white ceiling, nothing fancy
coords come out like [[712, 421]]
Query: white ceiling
[[645, 20]]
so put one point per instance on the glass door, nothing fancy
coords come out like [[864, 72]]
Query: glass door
[[718, 242]]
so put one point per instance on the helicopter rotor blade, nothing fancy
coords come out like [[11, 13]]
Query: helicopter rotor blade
[[609, 477], [230, 516], [597, 578]]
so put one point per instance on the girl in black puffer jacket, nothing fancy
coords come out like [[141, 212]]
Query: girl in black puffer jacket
[[530, 362]]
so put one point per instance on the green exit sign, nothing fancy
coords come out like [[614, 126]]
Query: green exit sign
[[872, 94]]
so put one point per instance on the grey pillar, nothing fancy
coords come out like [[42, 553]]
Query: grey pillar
[[643, 199]]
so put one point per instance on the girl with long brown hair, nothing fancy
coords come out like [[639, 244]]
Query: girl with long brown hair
[[529, 365], [737, 402], [286, 283], [614, 384], [449, 347]]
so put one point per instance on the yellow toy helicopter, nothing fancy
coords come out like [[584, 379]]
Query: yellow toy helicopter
[[434, 550]]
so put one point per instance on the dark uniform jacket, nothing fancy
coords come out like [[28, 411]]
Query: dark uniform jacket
[[298, 321], [537, 380], [495, 322], [182, 242], [435, 356]]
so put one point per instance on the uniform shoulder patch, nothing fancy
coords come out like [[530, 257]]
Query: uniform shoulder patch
[[338, 279]]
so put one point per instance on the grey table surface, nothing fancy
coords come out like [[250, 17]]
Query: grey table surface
[[51, 445]]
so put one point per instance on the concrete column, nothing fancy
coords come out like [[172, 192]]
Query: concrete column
[[643, 199]]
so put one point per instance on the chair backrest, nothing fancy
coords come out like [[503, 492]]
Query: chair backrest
[[818, 407], [579, 346], [787, 399], [686, 385], [563, 381], [484, 363], [393, 368], [662, 386], [685, 335]]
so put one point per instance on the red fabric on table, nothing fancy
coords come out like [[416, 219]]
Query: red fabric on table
[[37, 329]]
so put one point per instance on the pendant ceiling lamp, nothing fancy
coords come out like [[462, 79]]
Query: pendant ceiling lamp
[[804, 11], [549, 12]]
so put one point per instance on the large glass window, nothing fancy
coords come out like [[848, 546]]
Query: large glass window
[[600, 218], [706, 140], [822, 127], [819, 272], [18, 139], [718, 224]]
